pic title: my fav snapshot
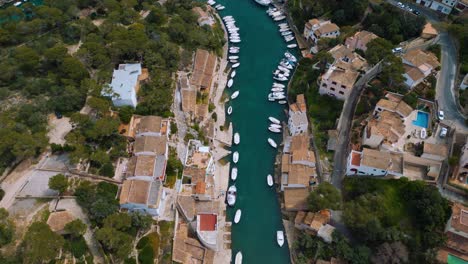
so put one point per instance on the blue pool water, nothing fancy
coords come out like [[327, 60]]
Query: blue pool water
[[422, 119]]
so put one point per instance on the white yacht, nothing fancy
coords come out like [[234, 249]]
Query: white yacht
[[277, 89], [286, 33], [280, 78], [234, 51], [285, 29], [290, 56], [231, 195], [282, 24], [234, 95], [292, 46], [233, 61], [280, 85], [279, 18], [230, 82], [276, 126], [270, 180], [289, 38], [235, 157], [236, 138], [280, 238], [234, 40], [263, 2], [238, 258], [282, 68], [274, 129], [234, 173], [272, 143], [237, 218], [229, 111], [233, 74], [220, 8], [274, 120], [235, 65]]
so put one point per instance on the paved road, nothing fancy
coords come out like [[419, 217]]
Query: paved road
[[445, 89]]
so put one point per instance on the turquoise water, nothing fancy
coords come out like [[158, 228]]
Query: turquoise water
[[422, 119], [455, 260], [262, 48]]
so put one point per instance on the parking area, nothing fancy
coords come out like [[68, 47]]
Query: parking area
[[38, 185], [58, 129]]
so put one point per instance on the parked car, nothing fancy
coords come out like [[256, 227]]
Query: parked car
[[443, 132], [400, 4], [416, 12], [441, 115], [397, 50], [58, 115]]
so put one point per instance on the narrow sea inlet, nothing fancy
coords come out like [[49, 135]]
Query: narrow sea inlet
[[261, 50]]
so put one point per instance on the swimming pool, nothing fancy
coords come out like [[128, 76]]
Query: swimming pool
[[422, 119]]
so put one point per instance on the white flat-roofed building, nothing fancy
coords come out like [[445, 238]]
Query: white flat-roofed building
[[125, 85]]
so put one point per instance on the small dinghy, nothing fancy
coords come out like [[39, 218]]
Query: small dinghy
[[237, 218], [233, 57], [229, 111], [272, 143], [233, 74], [274, 129], [274, 120], [234, 95], [270, 180], [236, 65], [236, 138], [231, 195], [238, 258], [235, 157], [234, 173], [282, 102], [292, 46], [280, 238], [275, 126], [230, 83]]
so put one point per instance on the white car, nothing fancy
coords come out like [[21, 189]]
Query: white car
[[397, 50], [441, 115], [443, 132]]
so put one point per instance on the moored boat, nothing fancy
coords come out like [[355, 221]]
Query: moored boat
[[231, 195], [233, 57], [229, 111], [237, 218], [230, 82], [233, 74], [272, 143], [270, 180], [292, 46], [423, 133], [274, 129], [280, 85], [276, 126], [263, 2], [235, 157], [235, 65], [234, 173], [236, 138], [280, 238], [234, 95], [274, 120], [238, 258], [277, 89], [282, 102]]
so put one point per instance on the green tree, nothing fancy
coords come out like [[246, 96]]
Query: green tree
[[59, 183], [75, 228], [392, 71], [326, 196], [6, 228], [378, 49], [107, 169], [27, 58], [115, 241], [41, 244], [119, 221], [125, 113]]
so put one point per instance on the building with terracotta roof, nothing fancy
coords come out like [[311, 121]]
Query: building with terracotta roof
[[418, 64], [429, 31], [145, 167], [360, 40], [338, 81], [316, 29], [198, 156], [207, 230], [462, 6], [386, 128], [395, 106], [150, 146], [295, 199], [347, 55], [372, 162], [300, 151], [204, 18], [298, 122], [203, 70], [457, 235], [58, 220], [188, 250], [142, 196], [154, 126], [437, 152]]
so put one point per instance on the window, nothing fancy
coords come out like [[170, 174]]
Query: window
[[333, 89], [324, 85], [334, 83], [341, 92], [343, 86], [379, 109]]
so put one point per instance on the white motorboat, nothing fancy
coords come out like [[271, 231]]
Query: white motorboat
[[286, 33], [235, 157], [235, 65], [423, 133], [218, 5], [272, 143], [276, 126], [237, 218], [292, 46], [234, 95], [286, 64], [229, 111], [276, 97], [281, 68], [233, 57], [230, 83], [234, 51], [274, 130], [279, 18], [277, 94], [274, 120], [234, 173], [270, 180], [280, 85], [238, 258], [220, 8], [233, 61], [290, 56], [234, 40], [263, 2], [271, 99], [282, 24], [282, 102], [277, 89], [284, 29], [281, 79], [233, 74], [280, 238], [211, 2], [231, 195], [236, 138], [289, 38]]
